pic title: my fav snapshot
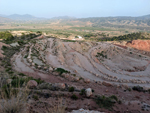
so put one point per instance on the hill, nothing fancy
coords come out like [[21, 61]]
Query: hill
[[23, 17], [3, 19]]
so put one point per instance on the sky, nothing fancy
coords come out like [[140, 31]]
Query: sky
[[75, 8]]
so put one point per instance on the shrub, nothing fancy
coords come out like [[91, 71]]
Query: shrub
[[114, 97], [74, 97], [61, 70], [129, 89], [25, 56], [92, 90], [18, 82], [35, 97], [21, 74], [71, 89], [105, 102], [82, 92], [119, 102], [39, 81], [59, 108], [138, 88], [14, 101]]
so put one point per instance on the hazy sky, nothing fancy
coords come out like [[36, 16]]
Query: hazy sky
[[76, 8]]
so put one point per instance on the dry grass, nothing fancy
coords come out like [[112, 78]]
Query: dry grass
[[59, 108], [13, 100]]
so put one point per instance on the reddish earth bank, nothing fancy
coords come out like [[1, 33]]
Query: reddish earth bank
[[139, 44]]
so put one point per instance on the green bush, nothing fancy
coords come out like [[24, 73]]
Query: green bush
[[18, 82], [71, 89], [82, 92], [92, 90], [35, 97], [21, 74], [74, 97], [138, 88], [119, 102], [105, 102], [114, 97], [129, 89], [6, 36], [61, 70]]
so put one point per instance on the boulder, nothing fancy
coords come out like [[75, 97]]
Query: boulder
[[56, 73], [88, 92], [50, 69], [45, 67], [106, 84], [87, 80], [39, 66], [76, 78], [84, 111], [32, 84], [60, 85]]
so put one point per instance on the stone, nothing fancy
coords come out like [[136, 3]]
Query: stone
[[33, 64], [39, 66], [32, 84], [87, 80], [50, 69], [30, 60], [56, 73], [85, 111], [88, 92], [60, 85], [106, 84], [76, 78], [45, 67]]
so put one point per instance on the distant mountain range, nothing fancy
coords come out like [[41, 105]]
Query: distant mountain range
[[18, 17], [27, 17], [63, 17]]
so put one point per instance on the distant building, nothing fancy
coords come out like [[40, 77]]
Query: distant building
[[80, 37]]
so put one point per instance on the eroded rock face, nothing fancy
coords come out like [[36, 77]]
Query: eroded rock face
[[140, 44]]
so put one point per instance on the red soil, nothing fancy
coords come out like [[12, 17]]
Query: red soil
[[140, 44]]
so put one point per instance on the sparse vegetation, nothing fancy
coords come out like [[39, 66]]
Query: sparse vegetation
[[138, 88], [82, 92], [129, 37], [74, 97], [106, 102], [101, 55], [71, 89], [61, 70]]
